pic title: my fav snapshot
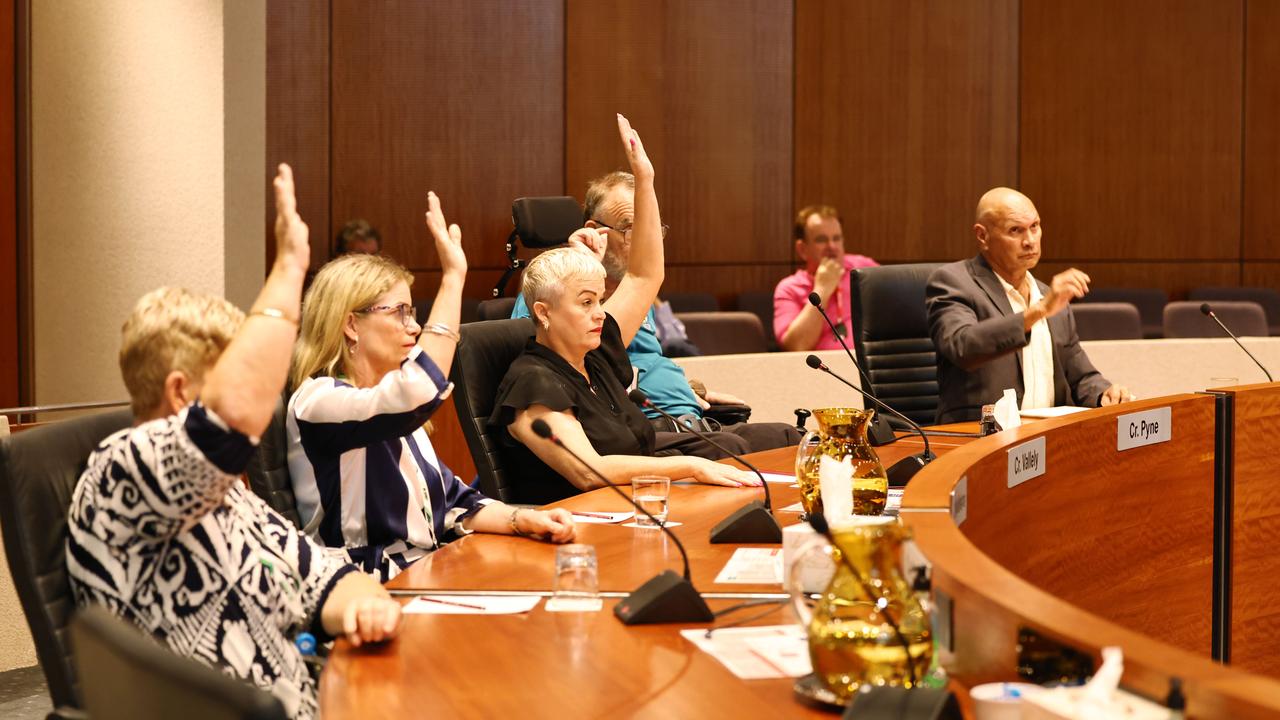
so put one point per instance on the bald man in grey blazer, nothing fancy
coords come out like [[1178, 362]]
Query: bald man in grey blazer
[[995, 326]]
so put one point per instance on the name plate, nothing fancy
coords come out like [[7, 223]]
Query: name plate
[[960, 501], [1026, 461], [1144, 428]]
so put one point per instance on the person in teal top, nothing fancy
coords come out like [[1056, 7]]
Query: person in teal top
[[609, 211]]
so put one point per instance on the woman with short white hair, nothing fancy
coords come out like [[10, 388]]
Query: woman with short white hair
[[161, 529], [368, 376], [574, 372]]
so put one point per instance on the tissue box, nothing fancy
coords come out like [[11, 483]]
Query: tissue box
[[1062, 704]]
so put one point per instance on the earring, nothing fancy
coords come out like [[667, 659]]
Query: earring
[[546, 324], [352, 349]]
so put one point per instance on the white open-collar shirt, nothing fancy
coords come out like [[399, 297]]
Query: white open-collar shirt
[[1037, 356]]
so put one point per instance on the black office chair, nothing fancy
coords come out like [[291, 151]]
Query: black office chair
[[127, 675], [495, 309], [1149, 301], [891, 338], [38, 473], [486, 351], [1107, 321], [1268, 298], [539, 223], [760, 304], [724, 333], [1183, 319], [268, 469]]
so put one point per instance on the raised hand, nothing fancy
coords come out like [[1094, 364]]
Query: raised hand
[[827, 277], [641, 167], [1065, 287], [448, 238], [590, 240], [292, 246]]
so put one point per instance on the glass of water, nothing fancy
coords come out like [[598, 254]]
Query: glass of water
[[577, 573], [651, 493]]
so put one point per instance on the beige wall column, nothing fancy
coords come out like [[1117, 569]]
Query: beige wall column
[[148, 149]]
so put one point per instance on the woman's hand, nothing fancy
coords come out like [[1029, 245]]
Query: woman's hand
[[591, 241], [292, 247], [714, 473], [555, 525], [634, 150], [448, 239], [370, 619]]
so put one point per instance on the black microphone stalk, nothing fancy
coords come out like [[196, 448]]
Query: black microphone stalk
[[751, 523], [906, 468], [1204, 308], [665, 598], [881, 431]]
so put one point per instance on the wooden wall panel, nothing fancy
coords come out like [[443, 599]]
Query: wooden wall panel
[[464, 97], [9, 354], [1261, 226], [1130, 126], [1177, 278], [906, 112], [708, 86], [298, 114]]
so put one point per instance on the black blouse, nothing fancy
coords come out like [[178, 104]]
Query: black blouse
[[613, 424]]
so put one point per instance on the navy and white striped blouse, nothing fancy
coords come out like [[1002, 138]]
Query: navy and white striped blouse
[[364, 473]]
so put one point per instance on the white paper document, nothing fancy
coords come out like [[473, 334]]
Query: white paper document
[[668, 524], [779, 477], [757, 653], [793, 507], [471, 604], [604, 518], [754, 566], [1052, 412]]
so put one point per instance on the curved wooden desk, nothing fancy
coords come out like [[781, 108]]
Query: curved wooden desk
[[1105, 548]]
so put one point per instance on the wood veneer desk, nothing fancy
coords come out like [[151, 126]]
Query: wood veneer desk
[[561, 665]]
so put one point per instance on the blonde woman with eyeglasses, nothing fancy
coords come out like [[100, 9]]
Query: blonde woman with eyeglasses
[[367, 378]]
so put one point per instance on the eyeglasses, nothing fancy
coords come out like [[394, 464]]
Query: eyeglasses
[[626, 229], [404, 311]]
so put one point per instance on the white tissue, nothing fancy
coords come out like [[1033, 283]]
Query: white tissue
[[1098, 698], [1007, 410], [835, 480]]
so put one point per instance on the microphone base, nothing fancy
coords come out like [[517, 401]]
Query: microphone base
[[666, 598], [906, 468], [880, 432], [751, 523], [894, 702]]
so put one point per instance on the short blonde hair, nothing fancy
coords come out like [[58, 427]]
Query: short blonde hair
[[172, 329], [343, 285], [546, 274]]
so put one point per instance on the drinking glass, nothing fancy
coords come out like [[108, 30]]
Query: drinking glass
[[651, 493], [577, 572]]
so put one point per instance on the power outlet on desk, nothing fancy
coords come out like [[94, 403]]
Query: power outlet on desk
[[1043, 661]]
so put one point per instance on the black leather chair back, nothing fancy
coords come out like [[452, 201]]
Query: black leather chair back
[[128, 675], [486, 351], [760, 304], [38, 473], [495, 309], [268, 469], [891, 337]]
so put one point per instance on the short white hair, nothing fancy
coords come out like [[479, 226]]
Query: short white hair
[[546, 275]]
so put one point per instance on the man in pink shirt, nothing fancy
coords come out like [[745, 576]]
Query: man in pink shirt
[[820, 244]]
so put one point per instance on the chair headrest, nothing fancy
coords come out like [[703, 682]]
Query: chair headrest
[[544, 222], [891, 300], [487, 349]]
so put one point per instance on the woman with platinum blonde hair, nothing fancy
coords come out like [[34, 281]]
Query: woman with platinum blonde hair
[[367, 376], [161, 530], [574, 372]]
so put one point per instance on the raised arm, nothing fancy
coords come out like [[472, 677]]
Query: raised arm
[[637, 290], [439, 336], [244, 385], [619, 468]]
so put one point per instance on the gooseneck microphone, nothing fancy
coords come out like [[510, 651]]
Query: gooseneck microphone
[[664, 598], [1204, 308], [751, 523], [880, 432], [907, 467]]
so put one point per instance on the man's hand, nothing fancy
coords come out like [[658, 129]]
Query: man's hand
[[370, 619], [723, 398], [292, 248], [827, 277], [591, 241], [448, 239], [1115, 395], [555, 525], [1065, 287]]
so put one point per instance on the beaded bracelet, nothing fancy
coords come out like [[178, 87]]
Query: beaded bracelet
[[275, 313], [442, 329], [515, 530]]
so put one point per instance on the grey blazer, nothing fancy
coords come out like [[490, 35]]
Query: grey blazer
[[978, 338]]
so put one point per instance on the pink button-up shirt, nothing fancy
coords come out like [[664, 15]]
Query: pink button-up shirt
[[792, 294]]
